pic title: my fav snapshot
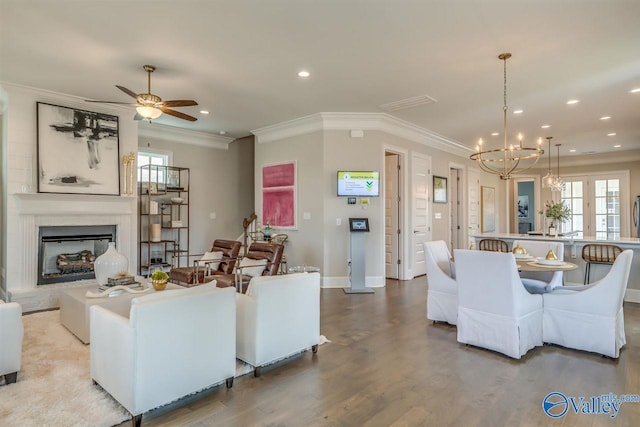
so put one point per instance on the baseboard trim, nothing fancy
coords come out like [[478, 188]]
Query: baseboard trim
[[632, 295], [343, 282]]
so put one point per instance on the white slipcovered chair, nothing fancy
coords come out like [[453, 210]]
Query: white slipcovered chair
[[590, 317], [279, 316], [442, 294], [494, 309], [174, 343], [11, 333], [539, 282]]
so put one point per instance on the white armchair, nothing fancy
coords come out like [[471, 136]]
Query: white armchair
[[11, 333], [592, 318], [494, 309], [442, 295], [278, 317], [539, 282], [175, 342]]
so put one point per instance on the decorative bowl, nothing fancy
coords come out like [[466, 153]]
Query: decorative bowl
[[177, 200], [544, 261], [159, 285]]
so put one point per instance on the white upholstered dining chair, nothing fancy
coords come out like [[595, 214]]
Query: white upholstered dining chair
[[494, 309], [442, 294], [539, 282], [590, 317]]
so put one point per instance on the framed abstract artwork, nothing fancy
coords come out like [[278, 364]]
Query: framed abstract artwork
[[488, 209], [279, 195], [78, 151]]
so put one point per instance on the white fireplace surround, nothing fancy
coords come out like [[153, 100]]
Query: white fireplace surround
[[42, 209]]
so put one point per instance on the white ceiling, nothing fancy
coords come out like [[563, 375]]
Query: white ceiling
[[239, 60]]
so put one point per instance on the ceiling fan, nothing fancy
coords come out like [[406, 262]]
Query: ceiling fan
[[150, 106]]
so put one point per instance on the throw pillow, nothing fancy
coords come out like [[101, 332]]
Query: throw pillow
[[252, 267], [212, 259]]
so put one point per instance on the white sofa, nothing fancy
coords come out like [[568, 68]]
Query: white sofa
[[11, 333], [278, 317], [174, 343], [590, 317], [442, 295], [494, 310]]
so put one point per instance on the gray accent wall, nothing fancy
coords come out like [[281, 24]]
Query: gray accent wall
[[221, 184]]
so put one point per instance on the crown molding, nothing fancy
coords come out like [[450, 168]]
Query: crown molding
[[154, 130], [182, 136], [361, 121]]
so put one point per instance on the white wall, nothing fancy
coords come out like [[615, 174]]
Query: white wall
[[20, 167]]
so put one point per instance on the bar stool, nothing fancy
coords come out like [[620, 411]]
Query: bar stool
[[598, 254], [494, 245]]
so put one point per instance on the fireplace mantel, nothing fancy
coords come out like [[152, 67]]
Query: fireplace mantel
[[73, 204], [36, 210]]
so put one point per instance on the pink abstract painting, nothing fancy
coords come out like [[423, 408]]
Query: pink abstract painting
[[279, 195]]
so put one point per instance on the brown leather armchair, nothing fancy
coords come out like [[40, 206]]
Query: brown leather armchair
[[272, 252], [196, 274]]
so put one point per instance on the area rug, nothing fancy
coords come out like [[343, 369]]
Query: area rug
[[54, 386]]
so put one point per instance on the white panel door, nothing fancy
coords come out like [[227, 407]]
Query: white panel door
[[421, 212], [474, 204], [391, 216]]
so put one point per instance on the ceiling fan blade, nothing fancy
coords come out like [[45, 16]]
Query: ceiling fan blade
[[178, 103], [128, 92], [177, 114], [111, 102]]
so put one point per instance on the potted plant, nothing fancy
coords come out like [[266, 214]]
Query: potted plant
[[159, 280], [558, 212]]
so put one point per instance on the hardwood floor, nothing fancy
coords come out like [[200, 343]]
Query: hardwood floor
[[387, 365]]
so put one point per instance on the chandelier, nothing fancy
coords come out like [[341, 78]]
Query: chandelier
[[548, 181], [558, 183], [510, 159]]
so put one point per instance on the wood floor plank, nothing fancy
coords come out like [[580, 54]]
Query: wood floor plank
[[387, 365]]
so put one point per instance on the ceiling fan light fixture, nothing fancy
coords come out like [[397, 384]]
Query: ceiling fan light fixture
[[149, 113]]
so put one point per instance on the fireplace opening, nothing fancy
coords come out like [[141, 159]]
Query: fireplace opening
[[67, 253]]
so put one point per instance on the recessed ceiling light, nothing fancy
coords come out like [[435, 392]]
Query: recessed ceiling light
[[611, 134], [573, 150], [605, 117], [617, 146], [572, 101], [518, 111], [495, 134], [303, 73], [636, 90], [223, 132], [204, 112], [545, 126]]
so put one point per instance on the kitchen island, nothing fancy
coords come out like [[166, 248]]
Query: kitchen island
[[573, 253]]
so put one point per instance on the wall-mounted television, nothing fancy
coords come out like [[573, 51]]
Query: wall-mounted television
[[359, 183]]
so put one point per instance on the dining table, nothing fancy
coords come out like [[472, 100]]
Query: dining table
[[531, 264]]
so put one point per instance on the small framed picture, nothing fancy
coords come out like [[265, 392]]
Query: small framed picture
[[439, 189]]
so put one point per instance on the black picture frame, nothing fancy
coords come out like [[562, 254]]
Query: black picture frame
[[78, 151], [439, 189]]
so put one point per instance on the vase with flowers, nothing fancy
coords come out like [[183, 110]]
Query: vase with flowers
[[557, 212]]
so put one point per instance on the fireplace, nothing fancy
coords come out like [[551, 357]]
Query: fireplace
[[67, 253]]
